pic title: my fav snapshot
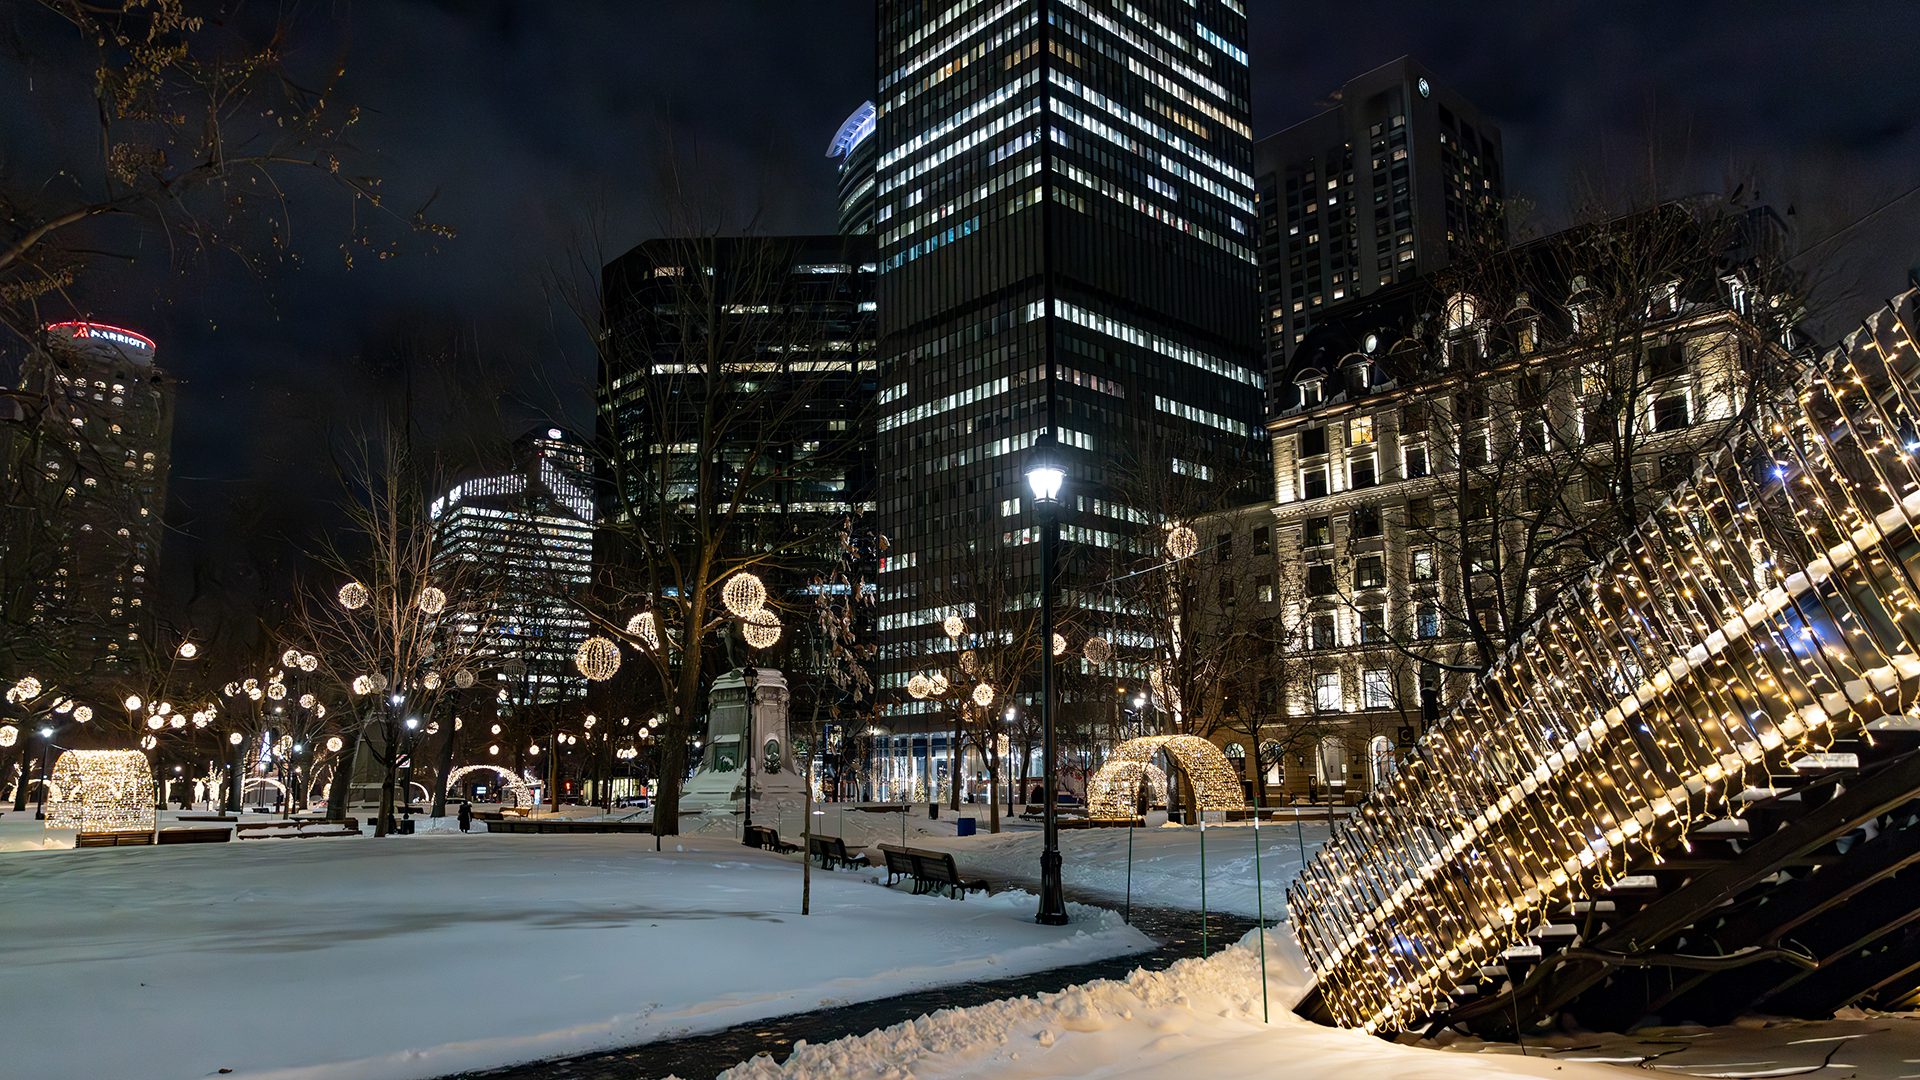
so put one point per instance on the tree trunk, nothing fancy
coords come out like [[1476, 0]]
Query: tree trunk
[[20, 789], [390, 768], [956, 758], [341, 787], [994, 768], [446, 769]]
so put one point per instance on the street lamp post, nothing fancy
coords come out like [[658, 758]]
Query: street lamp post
[[46, 764], [747, 737], [1045, 476]]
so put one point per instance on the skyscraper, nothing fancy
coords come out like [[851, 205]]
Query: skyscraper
[[533, 526], [1066, 223], [853, 148], [1390, 182], [89, 468]]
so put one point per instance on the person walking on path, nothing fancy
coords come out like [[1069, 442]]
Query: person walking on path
[[466, 816]]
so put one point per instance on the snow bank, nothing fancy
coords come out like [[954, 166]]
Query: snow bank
[[420, 956], [1199, 1018]]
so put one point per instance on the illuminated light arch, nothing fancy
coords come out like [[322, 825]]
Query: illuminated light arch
[[1216, 783], [1114, 792], [255, 783], [101, 791], [522, 794]]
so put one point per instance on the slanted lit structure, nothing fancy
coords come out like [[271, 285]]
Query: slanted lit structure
[[1113, 793], [101, 791], [1691, 790]]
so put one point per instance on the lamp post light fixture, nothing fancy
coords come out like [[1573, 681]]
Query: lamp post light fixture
[[46, 763], [1045, 477]]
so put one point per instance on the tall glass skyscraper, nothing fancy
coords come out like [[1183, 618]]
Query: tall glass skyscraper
[[1065, 212]]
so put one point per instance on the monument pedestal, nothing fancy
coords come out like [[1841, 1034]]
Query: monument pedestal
[[733, 733]]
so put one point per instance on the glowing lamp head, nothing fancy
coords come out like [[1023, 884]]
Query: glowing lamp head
[[1045, 475], [188, 650], [236, 738], [132, 703]]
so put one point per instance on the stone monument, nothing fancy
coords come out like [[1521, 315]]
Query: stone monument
[[720, 783]]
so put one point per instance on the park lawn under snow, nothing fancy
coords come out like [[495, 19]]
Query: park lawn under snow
[[1204, 1018], [419, 956]]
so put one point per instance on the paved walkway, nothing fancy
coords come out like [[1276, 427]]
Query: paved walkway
[[700, 1056]]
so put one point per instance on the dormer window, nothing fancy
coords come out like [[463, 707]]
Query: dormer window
[[1312, 389], [1462, 311]]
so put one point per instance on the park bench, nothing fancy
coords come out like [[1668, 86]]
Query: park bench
[[201, 835], [832, 852], [931, 871], [114, 839], [761, 836], [276, 830]]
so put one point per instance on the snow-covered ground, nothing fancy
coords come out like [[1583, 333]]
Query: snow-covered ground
[[1166, 863], [1199, 1018], [1204, 1018], [419, 956]]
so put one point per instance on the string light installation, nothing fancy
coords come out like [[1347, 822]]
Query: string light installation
[[1215, 782], [937, 685], [970, 662], [100, 791], [954, 625], [597, 658], [83, 713], [1114, 793], [1059, 644], [645, 628], [25, 690], [431, 680], [1765, 612], [290, 658], [516, 790], [983, 695], [353, 596], [761, 629], [335, 744], [1182, 543], [463, 679], [362, 685], [9, 735], [1097, 650], [743, 594], [919, 686], [432, 601]]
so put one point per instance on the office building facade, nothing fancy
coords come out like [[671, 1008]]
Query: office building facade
[[1393, 181], [1066, 223], [532, 528], [853, 151]]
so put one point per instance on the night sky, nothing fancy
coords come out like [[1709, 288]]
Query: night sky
[[537, 127]]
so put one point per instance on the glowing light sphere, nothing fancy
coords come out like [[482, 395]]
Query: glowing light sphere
[[25, 690], [954, 625], [163, 708], [431, 680], [1059, 645], [132, 703], [101, 791], [744, 594], [230, 689], [306, 701], [432, 601], [1097, 650], [277, 691], [761, 629], [493, 750], [1166, 694], [590, 721], [597, 658], [645, 627], [319, 712], [983, 695], [250, 684], [83, 713], [188, 650], [156, 722], [202, 718], [938, 683], [458, 723], [495, 730], [177, 721], [149, 742], [433, 728], [377, 681], [919, 686], [970, 662], [285, 744], [254, 694], [63, 706], [236, 738], [362, 685], [1182, 542], [290, 658], [463, 679], [9, 735], [309, 662], [335, 744], [353, 596]]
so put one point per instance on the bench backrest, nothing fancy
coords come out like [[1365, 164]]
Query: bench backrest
[[901, 861], [935, 865]]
